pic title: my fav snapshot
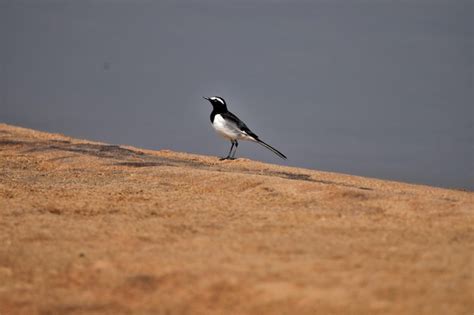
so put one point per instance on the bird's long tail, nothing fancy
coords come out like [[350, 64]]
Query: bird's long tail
[[269, 147]]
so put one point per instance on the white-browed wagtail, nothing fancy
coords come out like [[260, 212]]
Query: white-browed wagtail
[[232, 128]]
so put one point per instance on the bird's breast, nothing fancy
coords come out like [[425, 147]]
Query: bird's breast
[[225, 128]]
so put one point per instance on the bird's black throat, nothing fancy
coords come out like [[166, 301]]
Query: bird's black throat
[[217, 109]]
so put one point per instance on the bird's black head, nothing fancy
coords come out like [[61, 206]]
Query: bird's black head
[[218, 103]]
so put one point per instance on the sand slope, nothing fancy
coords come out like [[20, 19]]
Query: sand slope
[[91, 228]]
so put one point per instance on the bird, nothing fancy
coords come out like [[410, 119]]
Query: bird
[[232, 128]]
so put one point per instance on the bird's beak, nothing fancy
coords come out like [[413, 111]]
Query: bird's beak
[[206, 98]]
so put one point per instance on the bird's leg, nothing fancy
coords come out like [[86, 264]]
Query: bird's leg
[[236, 145], [228, 155]]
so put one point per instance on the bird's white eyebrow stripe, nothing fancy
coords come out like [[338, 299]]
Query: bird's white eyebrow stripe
[[217, 99]]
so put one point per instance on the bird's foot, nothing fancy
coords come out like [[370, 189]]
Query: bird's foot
[[226, 158]]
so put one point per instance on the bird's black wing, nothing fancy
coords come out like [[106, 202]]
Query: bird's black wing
[[243, 127], [240, 124]]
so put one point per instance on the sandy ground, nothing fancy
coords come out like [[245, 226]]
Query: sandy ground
[[91, 228]]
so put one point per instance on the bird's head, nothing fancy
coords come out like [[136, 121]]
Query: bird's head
[[217, 102]]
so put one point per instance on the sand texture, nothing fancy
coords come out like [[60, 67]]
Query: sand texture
[[93, 228]]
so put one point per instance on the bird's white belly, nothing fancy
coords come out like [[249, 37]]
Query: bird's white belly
[[226, 129]]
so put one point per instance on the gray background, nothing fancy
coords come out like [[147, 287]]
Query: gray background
[[375, 88]]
